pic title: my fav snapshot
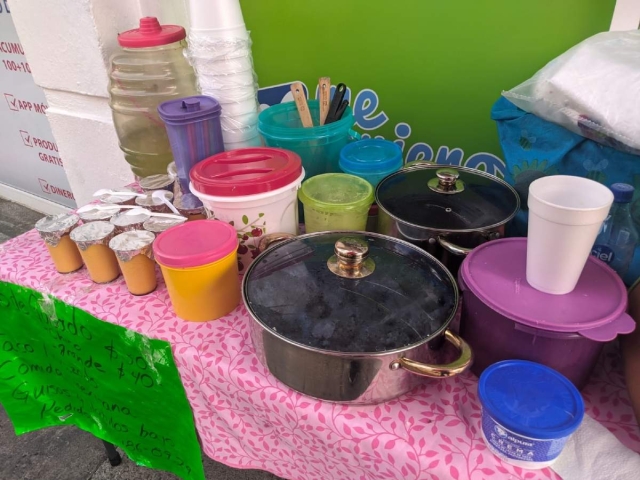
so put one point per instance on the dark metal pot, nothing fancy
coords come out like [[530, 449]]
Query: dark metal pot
[[353, 317], [445, 211]]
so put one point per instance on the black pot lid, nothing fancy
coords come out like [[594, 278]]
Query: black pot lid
[[452, 199], [350, 292]]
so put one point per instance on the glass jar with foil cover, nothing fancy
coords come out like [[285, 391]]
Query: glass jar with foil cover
[[150, 69], [93, 241], [55, 230], [135, 256]]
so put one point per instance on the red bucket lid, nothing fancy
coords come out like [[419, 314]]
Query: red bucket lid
[[195, 243], [151, 34], [246, 171]]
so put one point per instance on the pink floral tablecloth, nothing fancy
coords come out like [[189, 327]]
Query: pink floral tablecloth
[[247, 419]]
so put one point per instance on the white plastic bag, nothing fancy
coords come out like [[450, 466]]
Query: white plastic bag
[[593, 89]]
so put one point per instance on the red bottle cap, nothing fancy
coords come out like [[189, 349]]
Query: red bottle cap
[[246, 171], [151, 34]]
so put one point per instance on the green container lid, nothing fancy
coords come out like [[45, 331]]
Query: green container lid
[[336, 192]]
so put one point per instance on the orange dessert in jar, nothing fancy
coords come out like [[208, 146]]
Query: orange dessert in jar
[[160, 224], [93, 241], [190, 206], [55, 230], [134, 252], [155, 204], [128, 220]]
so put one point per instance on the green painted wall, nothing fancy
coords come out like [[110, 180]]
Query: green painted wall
[[437, 65]]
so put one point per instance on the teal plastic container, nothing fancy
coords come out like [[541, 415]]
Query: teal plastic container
[[372, 159], [319, 147]]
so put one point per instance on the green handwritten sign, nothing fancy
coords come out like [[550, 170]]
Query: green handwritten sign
[[59, 366]]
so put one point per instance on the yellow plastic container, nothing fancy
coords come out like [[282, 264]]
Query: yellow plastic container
[[199, 264]]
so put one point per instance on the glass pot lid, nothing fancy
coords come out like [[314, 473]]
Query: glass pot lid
[[447, 199], [350, 292]]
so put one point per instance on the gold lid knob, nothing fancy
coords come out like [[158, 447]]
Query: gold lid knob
[[351, 250], [351, 258], [446, 181]]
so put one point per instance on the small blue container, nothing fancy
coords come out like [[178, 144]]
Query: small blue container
[[371, 159], [529, 411]]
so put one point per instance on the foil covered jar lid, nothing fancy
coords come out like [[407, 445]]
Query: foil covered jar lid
[[93, 233], [118, 198], [161, 181], [128, 245], [148, 200], [53, 227], [130, 218], [94, 214], [160, 224]]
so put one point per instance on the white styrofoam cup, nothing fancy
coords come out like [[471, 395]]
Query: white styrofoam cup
[[565, 216], [215, 14]]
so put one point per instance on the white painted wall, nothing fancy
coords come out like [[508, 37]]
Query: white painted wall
[[626, 16], [68, 45]]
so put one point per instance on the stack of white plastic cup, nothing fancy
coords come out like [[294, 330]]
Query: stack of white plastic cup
[[220, 52], [565, 216]]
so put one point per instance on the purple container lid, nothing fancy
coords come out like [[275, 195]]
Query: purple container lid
[[496, 273], [188, 109]]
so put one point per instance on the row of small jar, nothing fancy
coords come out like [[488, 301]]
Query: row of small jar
[[115, 235], [105, 248]]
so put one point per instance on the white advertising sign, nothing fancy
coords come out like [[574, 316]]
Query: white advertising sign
[[29, 158]]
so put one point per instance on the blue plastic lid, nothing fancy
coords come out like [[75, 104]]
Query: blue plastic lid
[[372, 155], [530, 399], [622, 192]]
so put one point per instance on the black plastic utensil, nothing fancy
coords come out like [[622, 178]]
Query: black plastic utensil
[[338, 104]]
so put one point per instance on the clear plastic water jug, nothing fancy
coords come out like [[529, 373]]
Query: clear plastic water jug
[[150, 69]]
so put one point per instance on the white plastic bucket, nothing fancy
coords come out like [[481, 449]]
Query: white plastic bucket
[[565, 216], [255, 215]]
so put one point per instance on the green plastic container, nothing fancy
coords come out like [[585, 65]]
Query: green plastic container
[[336, 201], [319, 147]]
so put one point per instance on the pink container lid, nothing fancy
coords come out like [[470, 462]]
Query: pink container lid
[[246, 171], [496, 273], [151, 34], [194, 244]]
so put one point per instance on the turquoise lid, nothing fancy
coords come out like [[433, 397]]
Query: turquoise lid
[[371, 156]]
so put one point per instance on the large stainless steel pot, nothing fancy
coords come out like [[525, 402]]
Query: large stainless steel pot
[[353, 317], [445, 211]]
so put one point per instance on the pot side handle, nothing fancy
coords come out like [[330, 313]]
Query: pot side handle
[[453, 248], [456, 367]]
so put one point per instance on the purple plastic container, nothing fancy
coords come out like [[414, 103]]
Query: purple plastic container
[[193, 127], [504, 318]]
